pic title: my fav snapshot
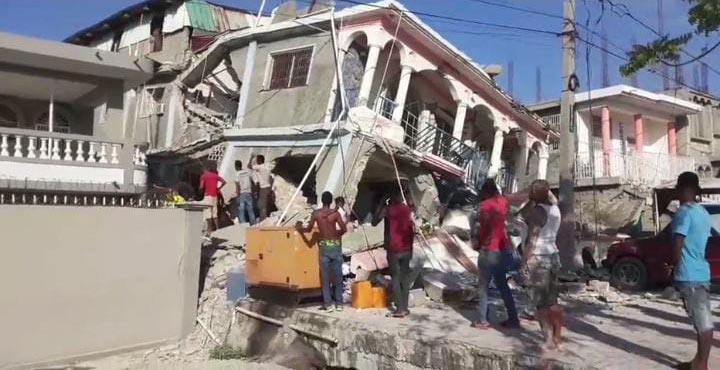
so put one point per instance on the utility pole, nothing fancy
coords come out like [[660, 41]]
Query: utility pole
[[566, 235]]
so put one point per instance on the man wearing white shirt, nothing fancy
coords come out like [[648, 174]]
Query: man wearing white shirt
[[263, 179]]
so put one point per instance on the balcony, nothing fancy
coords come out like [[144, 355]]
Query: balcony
[[637, 168], [40, 160]]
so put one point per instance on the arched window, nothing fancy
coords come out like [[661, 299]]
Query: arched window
[[8, 116], [60, 122]]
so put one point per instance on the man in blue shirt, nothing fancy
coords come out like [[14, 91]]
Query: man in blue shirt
[[691, 230]]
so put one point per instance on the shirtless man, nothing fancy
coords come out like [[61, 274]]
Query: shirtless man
[[331, 228]]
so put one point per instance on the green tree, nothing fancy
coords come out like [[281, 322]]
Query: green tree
[[704, 17]]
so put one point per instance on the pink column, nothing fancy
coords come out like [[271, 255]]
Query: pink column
[[639, 134], [606, 141], [672, 138]]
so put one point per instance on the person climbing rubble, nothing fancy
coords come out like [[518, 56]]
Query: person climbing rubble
[[243, 187], [332, 227], [263, 179]]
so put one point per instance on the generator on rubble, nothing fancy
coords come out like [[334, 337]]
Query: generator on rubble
[[282, 260]]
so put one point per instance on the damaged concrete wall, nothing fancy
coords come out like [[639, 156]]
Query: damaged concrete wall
[[70, 293], [300, 105]]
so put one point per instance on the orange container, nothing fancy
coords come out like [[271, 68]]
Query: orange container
[[380, 298], [362, 294]]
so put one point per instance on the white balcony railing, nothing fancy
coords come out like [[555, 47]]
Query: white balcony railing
[[640, 168], [58, 147], [553, 121]]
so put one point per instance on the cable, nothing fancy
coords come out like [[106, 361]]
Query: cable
[[464, 20], [524, 10], [624, 11]]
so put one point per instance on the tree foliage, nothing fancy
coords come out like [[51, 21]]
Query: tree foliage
[[703, 16]]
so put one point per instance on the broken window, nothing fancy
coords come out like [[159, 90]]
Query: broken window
[[156, 33], [151, 101], [290, 69]]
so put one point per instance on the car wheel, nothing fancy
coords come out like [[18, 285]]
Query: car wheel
[[629, 273]]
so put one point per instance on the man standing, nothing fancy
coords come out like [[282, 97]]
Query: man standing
[[495, 254], [331, 228], [210, 184], [399, 238], [691, 229], [243, 187], [263, 179], [541, 262], [341, 208]]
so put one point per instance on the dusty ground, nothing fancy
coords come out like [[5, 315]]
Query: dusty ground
[[644, 332]]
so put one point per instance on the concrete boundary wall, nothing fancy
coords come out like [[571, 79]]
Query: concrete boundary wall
[[79, 282]]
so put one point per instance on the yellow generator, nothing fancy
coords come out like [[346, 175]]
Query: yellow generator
[[282, 258]]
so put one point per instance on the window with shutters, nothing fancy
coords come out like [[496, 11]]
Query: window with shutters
[[702, 123], [290, 69]]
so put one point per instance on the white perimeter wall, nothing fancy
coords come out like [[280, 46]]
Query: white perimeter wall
[[84, 281]]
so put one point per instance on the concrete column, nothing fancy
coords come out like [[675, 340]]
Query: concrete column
[[672, 138], [369, 74], [639, 134], [521, 159], [405, 75], [606, 141], [496, 152], [246, 82], [543, 156], [460, 120]]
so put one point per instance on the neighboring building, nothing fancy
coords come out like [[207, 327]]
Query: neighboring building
[[273, 90], [624, 134], [64, 127], [700, 137]]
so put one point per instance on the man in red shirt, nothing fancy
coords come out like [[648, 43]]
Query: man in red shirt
[[210, 184], [495, 254], [399, 237]]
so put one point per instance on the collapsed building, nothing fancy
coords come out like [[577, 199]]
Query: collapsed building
[[229, 85]]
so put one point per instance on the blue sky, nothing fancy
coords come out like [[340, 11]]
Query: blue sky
[[57, 19]]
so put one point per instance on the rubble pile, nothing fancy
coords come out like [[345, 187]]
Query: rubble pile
[[299, 209], [213, 310]]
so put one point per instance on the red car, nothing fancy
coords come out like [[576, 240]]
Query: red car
[[637, 264]]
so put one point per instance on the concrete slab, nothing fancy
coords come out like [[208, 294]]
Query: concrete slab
[[642, 333]]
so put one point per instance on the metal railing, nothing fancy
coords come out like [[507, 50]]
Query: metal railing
[[384, 106], [640, 168], [553, 121]]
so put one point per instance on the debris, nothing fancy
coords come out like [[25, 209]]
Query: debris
[[371, 260], [670, 293], [442, 287], [598, 286], [417, 298], [612, 297], [210, 333], [457, 222], [572, 288]]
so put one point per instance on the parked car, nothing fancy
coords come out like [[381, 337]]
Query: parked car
[[637, 264]]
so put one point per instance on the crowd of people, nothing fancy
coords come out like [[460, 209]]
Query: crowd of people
[[539, 263]]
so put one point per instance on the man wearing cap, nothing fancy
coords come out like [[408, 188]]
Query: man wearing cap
[[691, 230]]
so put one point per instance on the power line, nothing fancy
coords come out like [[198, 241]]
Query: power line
[[464, 20], [520, 9], [624, 11]]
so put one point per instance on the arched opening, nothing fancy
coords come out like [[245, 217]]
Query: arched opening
[[479, 129], [353, 68], [386, 79], [8, 116], [61, 122]]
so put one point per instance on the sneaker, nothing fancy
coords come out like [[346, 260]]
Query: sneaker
[[326, 309], [338, 307]]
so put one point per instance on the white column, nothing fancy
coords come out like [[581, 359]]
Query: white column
[[496, 152], [405, 75], [103, 153], [44, 148], [4, 146], [245, 88], [543, 156], [114, 154], [369, 74], [91, 152], [51, 112], [459, 120], [79, 153], [55, 149], [68, 150]]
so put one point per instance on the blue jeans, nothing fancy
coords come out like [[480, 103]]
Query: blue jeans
[[245, 203], [493, 265], [331, 260]]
